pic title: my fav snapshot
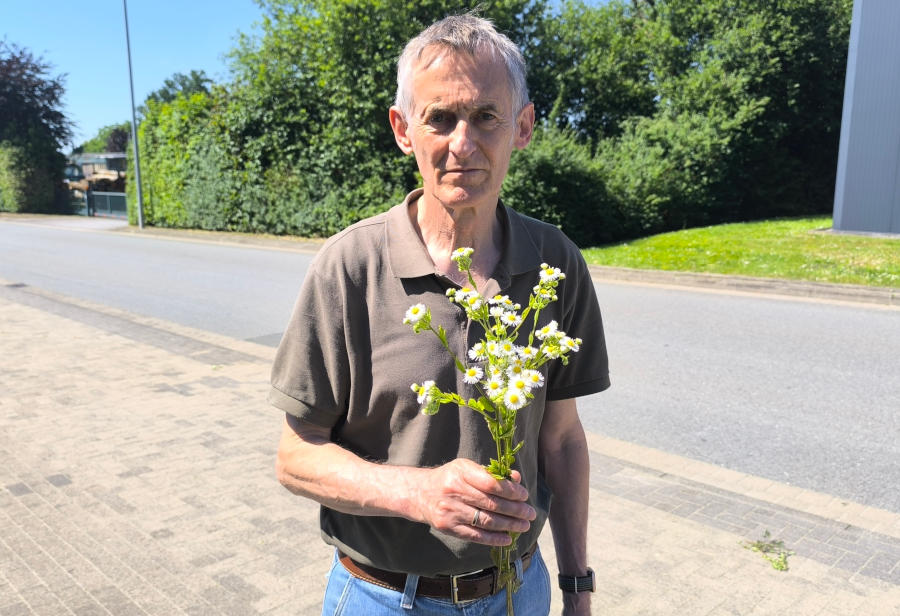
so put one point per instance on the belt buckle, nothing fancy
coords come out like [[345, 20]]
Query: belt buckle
[[454, 584]]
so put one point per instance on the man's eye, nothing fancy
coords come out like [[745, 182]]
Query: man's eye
[[486, 116], [438, 118]]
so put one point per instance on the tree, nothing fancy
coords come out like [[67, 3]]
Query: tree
[[599, 59], [112, 138], [33, 129], [310, 98], [196, 82]]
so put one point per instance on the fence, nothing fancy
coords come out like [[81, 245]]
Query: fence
[[96, 203]]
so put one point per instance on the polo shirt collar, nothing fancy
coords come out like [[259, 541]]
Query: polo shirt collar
[[410, 259]]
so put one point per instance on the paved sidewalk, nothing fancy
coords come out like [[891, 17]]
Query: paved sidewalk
[[136, 477]]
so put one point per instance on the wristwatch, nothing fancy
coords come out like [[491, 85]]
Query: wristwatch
[[577, 583]]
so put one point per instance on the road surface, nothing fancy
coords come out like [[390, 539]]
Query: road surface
[[802, 392]]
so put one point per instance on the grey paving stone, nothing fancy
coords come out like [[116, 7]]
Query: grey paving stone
[[116, 602], [89, 609], [883, 562], [18, 489], [852, 562], [16, 609], [59, 480], [43, 602], [239, 586]]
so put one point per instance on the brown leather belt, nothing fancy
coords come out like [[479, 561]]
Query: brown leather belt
[[457, 588]]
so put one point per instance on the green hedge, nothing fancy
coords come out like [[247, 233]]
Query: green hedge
[[27, 185], [652, 116]]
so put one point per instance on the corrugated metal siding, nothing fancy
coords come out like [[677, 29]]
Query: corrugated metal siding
[[867, 191]]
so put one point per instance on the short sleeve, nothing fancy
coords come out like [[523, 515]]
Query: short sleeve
[[310, 372], [588, 370]]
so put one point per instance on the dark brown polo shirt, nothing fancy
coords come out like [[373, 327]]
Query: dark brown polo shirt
[[347, 361]]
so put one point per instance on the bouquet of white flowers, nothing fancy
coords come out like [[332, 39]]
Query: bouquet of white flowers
[[510, 372]]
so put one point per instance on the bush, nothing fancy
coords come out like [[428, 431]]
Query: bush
[[28, 186], [12, 178], [555, 179]]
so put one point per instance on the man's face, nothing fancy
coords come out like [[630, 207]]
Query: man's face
[[462, 128]]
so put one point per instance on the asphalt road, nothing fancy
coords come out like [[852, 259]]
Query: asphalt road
[[802, 392]]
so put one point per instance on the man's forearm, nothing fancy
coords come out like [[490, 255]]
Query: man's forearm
[[566, 465], [310, 465], [566, 473], [444, 497]]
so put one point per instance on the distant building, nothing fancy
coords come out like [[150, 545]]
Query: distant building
[[867, 189], [91, 163], [103, 171]]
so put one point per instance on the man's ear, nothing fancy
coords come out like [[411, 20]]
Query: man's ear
[[524, 126], [400, 128]]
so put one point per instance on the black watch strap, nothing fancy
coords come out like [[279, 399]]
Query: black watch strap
[[577, 583]]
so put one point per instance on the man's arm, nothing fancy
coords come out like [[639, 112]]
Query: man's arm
[[311, 465], [564, 455]]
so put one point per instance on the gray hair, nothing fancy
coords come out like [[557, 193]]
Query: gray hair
[[458, 33]]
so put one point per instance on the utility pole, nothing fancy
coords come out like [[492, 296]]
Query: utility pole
[[134, 137]]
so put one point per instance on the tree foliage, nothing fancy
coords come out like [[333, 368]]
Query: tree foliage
[[112, 138], [653, 115], [195, 82], [33, 129]]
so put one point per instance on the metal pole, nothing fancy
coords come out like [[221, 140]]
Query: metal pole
[[134, 137]]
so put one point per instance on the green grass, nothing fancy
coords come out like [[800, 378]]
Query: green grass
[[796, 248]]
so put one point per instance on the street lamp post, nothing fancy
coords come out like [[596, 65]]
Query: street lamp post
[[134, 137]]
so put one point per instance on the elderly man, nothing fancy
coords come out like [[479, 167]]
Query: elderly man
[[404, 497]]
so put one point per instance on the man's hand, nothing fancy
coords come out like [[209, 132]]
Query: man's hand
[[462, 499]]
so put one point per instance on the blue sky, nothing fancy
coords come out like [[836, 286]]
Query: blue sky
[[87, 42]]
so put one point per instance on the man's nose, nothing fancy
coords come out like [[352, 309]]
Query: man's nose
[[462, 142]]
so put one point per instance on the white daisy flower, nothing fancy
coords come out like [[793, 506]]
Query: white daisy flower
[[549, 274], [551, 351], [520, 382], [515, 398], [415, 313], [424, 392], [515, 369], [528, 352], [547, 330], [507, 348], [476, 353], [473, 374], [534, 378], [572, 344], [497, 311], [512, 319], [494, 387]]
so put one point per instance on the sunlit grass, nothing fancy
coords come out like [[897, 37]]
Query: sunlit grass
[[797, 248]]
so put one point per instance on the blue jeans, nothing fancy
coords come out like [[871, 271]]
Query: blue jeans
[[346, 595]]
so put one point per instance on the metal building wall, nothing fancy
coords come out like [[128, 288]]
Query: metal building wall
[[867, 190]]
